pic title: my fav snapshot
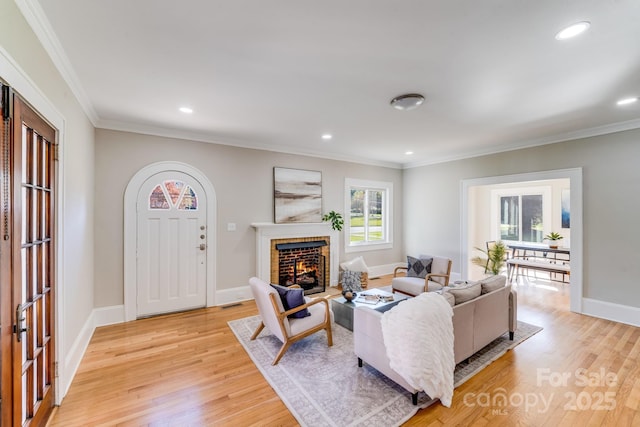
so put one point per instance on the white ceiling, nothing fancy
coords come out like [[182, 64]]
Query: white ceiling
[[278, 74]]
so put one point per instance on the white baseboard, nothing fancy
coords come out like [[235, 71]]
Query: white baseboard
[[104, 316], [611, 311], [233, 295], [73, 358]]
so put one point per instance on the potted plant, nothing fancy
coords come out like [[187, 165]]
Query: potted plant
[[553, 238], [336, 220], [495, 258]]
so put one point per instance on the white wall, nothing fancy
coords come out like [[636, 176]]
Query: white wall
[[243, 181], [611, 251], [26, 66]]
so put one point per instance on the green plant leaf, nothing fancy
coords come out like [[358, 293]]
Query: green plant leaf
[[335, 218]]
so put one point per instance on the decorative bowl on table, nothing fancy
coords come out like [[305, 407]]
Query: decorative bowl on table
[[349, 295]]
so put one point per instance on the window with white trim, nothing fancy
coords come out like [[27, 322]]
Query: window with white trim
[[369, 219]]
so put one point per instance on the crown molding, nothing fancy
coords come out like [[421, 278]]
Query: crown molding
[[213, 139], [519, 145], [37, 20]]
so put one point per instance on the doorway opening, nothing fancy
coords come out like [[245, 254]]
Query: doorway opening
[[471, 215]]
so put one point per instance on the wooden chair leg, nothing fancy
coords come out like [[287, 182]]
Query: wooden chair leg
[[257, 332], [329, 335], [284, 348]]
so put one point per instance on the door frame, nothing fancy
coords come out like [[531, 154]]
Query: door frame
[[131, 230], [575, 178]]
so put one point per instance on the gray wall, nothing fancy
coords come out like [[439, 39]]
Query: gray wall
[[48, 92], [610, 206], [243, 181]]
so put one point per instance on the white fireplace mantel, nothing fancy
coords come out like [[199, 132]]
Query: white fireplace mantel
[[267, 231]]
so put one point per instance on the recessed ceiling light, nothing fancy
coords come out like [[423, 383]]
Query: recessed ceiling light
[[327, 136], [573, 30], [408, 153], [407, 102], [627, 101], [186, 110]]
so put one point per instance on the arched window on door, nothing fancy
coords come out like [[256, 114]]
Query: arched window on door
[[172, 194]]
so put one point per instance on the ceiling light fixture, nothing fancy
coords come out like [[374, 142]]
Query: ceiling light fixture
[[627, 101], [327, 136], [186, 110], [573, 30], [408, 153], [407, 102]]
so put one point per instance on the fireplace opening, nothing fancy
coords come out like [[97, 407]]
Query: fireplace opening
[[302, 264]]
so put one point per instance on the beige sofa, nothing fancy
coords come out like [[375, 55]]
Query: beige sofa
[[477, 321]]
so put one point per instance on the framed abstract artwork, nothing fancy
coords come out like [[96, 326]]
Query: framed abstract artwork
[[297, 195], [565, 208]]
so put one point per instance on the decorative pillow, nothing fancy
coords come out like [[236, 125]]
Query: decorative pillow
[[449, 297], [356, 264], [466, 293], [418, 267], [493, 283], [292, 298], [351, 281]]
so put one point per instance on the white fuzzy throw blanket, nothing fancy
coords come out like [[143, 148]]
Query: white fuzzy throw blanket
[[418, 336]]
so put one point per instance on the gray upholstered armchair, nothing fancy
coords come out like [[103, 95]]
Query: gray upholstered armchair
[[436, 279], [289, 329]]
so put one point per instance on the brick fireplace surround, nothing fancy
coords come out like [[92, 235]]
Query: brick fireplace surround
[[268, 234]]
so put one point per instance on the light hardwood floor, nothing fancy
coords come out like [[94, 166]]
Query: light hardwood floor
[[189, 369]]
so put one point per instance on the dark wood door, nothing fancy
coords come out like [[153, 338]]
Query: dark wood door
[[28, 267]]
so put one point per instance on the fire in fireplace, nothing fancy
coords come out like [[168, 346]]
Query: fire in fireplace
[[302, 264]]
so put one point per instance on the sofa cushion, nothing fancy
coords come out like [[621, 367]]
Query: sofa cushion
[[292, 298], [449, 297], [466, 293], [351, 281], [492, 283], [418, 267]]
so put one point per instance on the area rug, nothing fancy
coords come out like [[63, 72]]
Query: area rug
[[323, 386]]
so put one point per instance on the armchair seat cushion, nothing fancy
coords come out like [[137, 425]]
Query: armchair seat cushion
[[316, 317], [413, 285]]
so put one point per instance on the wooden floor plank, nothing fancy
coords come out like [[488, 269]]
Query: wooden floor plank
[[189, 369]]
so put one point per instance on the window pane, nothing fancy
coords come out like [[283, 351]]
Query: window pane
[[509, 218], [356, 229], [189, 200], [532, 219], [374, 204], [157, 200], [174, 188]]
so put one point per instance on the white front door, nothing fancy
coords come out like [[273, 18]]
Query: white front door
[[171, 244]]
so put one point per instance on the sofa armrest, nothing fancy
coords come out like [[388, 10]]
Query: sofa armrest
[[513, 310], [366, 324]]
